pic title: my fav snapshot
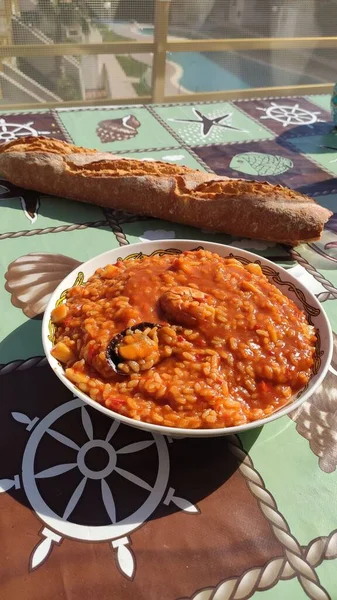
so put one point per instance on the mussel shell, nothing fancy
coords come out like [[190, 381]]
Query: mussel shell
[[112, 356]]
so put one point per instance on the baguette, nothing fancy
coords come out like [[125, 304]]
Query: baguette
[[175, 193]]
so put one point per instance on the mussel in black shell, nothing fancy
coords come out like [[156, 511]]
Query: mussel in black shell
[[135, 349]]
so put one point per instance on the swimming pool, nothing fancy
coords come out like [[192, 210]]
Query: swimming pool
[[201, 74], [216, 71], [231, 71], [146, 30]]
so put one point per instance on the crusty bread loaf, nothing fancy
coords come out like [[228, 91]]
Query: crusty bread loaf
[[175, 193]]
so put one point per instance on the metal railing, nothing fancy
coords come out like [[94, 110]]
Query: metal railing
[[159, 48]]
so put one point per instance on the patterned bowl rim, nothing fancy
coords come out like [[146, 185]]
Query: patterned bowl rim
[[278, 275]]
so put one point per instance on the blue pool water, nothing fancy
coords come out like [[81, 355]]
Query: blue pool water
[[231, 71], [201, 74], [146, 30]]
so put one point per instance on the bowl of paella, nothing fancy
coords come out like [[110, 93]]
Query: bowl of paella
[[187, 338]]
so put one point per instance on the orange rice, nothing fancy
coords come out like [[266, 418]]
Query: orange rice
[[232, 348]]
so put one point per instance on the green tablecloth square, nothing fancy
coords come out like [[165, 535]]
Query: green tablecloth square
[[235, 126], [85, 126]]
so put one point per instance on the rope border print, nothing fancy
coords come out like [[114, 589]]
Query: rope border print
[[114, 223], [62, 128], [144, 150], [59, 229], [242, 143], [296, 562], [331, 293], [278, 569], [227, 101], [23, 365]]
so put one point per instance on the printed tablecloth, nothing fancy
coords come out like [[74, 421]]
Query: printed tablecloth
[[93, 509]]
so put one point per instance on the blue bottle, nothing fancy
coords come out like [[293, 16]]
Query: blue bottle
[[334, 106]]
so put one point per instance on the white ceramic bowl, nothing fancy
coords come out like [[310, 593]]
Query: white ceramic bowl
[[282, 278]]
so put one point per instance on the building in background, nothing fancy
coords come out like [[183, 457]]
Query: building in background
[[44, 78]]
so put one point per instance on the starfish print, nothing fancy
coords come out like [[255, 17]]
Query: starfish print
[[30, 200], [207, 123]]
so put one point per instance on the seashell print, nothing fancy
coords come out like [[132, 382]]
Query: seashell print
[[316, 419], [332, 223], [331, 226], [326, 246], [330, 245], [31, 279], [258, 163], [113, 130]]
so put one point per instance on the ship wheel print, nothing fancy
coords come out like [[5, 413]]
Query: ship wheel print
[[66, 518], [12, 131], [289, 115]]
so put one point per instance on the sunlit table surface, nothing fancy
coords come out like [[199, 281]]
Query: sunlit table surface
[[227, 518]]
